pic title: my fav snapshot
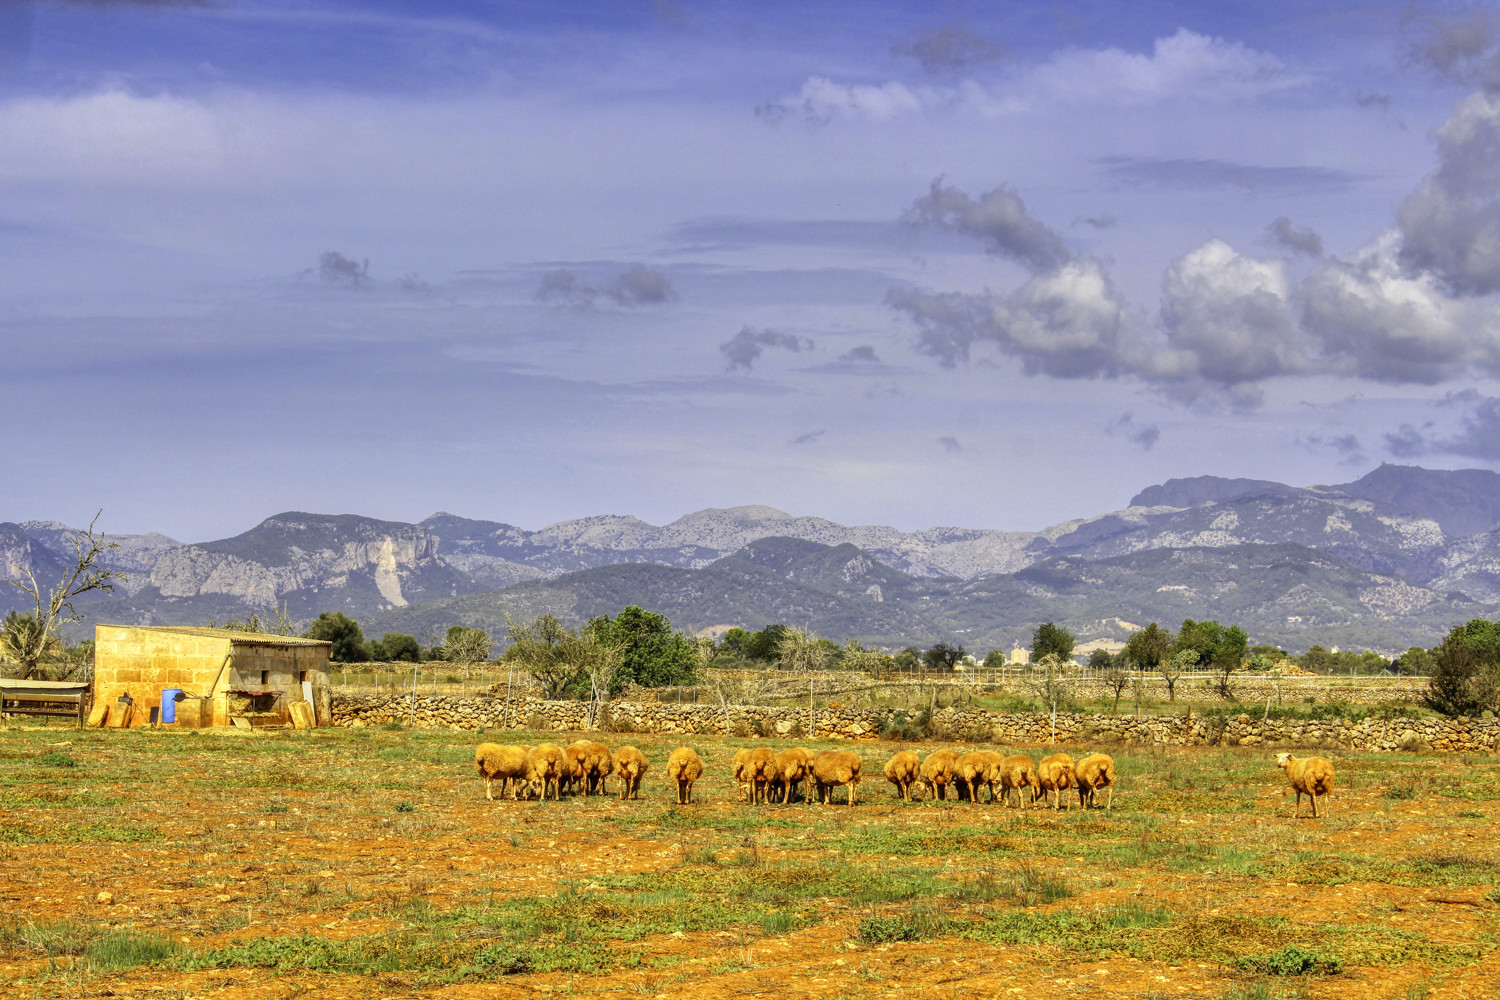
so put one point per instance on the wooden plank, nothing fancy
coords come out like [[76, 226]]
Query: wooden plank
[[96, 717]]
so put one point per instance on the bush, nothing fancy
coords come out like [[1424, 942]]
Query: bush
[[1293, 960]]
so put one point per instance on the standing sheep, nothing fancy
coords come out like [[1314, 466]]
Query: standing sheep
[[938, 771], [684, 767], [1054, 775], [831, 768], [741, 770], [631, 765], [1017, 771], [760, 770], [598, 765], [1310, 776], [576, 756], [506, 764], [792, 769], [1094, 772], [974, 770], [546, 765], [902, 771]]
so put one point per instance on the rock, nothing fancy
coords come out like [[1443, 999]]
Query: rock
[[104, 898]]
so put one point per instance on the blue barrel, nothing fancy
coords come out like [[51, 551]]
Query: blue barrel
[[169, 699]]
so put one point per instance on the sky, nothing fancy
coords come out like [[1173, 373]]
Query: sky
[[994, 265]]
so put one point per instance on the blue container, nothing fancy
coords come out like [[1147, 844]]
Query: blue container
[[169, 699]]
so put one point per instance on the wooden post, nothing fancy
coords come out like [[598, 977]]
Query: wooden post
[[411, 718], [812, 719]]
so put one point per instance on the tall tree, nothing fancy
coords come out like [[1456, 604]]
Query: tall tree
[[1147, 647], [27, 638], [562, 662], [466, 645], [344, 632], [943, 656], [1051, 639], [1465, 678], [651, 654], [801, 652]]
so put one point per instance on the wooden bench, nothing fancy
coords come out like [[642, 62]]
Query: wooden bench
[[59, 699]]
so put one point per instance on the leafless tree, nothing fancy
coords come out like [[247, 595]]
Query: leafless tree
[[28, 638]]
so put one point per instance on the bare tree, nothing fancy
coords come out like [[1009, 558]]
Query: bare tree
[[800, 651], [1053, 689], [1116, 679], [28, 638], [559, 660], [1171, 668]]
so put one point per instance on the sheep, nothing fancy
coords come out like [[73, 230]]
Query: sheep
[[1094, 772], [831, 768], [599, 764], [631, 765], [740, 767], [937, 771], [576, 755], [792, 769], [974, 770], [1310, 776], [505, 763], [546, 765], [1017, 771], [684, 766], [1054, 775], [760, 770], [902, 770]]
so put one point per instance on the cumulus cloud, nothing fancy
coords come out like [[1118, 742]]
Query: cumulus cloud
[[1450, 226], [997, 218], [950, 444], [1143, 436], [1065, 323], [863, 353], [1463, 46], [822, 100], [641, 285], [1228, 319], [949, 50], [1290, 237], [336, 269], [808, 438], [1185, 63], [637, 285], [745, 348]]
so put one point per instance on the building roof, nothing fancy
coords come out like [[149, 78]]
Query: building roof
[[234, 635]]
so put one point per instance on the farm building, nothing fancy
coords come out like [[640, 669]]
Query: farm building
[[213, 675]]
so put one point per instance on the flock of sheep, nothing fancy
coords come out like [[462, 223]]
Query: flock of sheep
[[766, 775]]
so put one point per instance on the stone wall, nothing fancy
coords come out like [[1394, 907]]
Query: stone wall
[[953, 724]]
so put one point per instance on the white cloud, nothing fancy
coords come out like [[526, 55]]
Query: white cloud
[[822, 100]]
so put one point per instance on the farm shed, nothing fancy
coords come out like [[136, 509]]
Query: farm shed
[[222, 674]]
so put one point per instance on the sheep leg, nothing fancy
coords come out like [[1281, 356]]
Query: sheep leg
[[852, 786], [1313, 797], [489, 788], [1109, 803]]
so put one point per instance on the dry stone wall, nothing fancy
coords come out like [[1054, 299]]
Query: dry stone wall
[[1461, 735]]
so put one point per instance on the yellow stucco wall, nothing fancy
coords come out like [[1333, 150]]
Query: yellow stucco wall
[[142, 661]]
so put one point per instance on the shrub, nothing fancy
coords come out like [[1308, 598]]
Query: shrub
[[55, 759], [1293, 960]]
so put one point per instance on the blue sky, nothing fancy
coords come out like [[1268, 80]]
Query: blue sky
[[993, 265]]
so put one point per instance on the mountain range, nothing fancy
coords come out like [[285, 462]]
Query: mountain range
[[1390, 560]]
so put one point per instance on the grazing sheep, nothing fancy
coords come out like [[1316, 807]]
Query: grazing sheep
[[684, 767], [631, 765], [545, 765], [974, 770], [576, 754], [1017, 771], [1094, 772], [506, 764], [938, 771], [1310, 776], [831, 768], [1053, 776], [760, 770], [598, 765], [902, 770], [741, 769], [792, 769]]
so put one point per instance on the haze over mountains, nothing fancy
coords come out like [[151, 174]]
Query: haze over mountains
[[1390, 560]]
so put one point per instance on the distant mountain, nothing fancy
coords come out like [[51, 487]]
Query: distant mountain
[[1199, 490], [1434, 532]]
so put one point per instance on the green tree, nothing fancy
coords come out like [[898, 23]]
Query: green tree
[[908, 659], [1316, 660], [1051, 639], [1147, 647], [562, 662], [735, 642], [28, 638], [762, 645], [344, 632], [651, 654], [398, 647], [1101, 659], [1172, 667], [1465, 677], [1415, 662], [995, 659], [943, 656], [1217, 648]]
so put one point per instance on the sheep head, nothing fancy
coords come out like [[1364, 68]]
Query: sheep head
[[1283, 760]]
